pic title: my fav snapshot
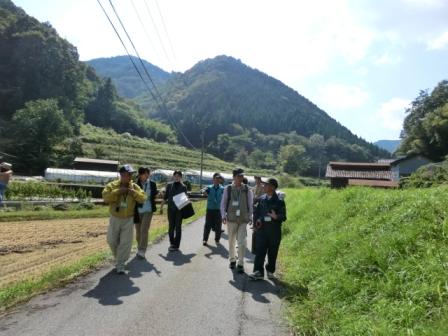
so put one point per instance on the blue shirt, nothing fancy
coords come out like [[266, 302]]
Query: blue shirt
[[146, 207], [214, 196]]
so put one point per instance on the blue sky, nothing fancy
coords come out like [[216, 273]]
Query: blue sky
[[362, 61]]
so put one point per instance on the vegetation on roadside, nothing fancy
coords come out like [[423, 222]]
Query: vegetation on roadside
[[430, 175], [361, 261], [38, 190], [48, 212]]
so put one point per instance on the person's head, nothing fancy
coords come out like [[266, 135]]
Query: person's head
[[221, 180], [238, 176], [217, 178], [177, 176], [270, 186], [257, 180], [126, 172], [143, 173], [5, 166]]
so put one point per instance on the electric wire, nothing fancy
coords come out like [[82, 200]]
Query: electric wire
[[166, 30]]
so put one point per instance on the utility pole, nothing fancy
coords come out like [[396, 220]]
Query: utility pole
[[202, 159]]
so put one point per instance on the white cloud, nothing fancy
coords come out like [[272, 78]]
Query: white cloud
[[392, 113], [387, 59], [440, 42], [340, 97]]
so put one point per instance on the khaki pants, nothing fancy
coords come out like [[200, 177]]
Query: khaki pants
[[119, 237], [237, 232], [142, 231]]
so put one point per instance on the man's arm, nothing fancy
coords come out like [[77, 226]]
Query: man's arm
[[138, 194], [110, 193], [250, 197], [224, 204]]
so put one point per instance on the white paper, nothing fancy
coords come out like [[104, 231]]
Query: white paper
[[181, 200]]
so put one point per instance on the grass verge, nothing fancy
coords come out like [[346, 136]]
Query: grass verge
[[58, 276], [23, 215], [367, 262]]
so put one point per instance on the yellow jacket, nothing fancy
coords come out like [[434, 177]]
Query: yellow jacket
[[111, 195]]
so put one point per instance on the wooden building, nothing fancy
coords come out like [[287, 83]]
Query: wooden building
[[95, 164], [344, 174]]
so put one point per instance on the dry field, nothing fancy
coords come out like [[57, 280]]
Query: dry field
[[31, 248]]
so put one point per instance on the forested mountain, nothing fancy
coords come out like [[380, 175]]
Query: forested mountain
[[46, 93], [124, 76], [250, 117], [389, 145]]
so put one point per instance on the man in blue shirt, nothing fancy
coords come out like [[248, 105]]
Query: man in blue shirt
[[213, 215]]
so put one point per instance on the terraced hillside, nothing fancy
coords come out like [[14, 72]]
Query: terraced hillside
[[107, 144]]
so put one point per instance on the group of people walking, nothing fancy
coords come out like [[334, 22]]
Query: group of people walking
[[236, 206]]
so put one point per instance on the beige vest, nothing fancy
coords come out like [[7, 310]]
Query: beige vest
[[239, 195]]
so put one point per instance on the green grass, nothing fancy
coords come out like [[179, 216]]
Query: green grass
[[24, 215], [367, 262], [22, 291]]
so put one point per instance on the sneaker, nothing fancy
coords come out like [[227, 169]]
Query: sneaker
[[270, 275], [256, 276], [204, 243], [217, 242], [232, 264], [120, 270], [240, 269], [140, 255], [172, 248]]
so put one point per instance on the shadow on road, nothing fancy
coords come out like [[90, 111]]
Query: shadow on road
[[111, 287], [178, 258], [217, 250], [137, 268], [257, 289]]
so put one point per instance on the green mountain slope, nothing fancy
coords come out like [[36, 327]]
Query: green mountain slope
[[389, 145], [124, 76]]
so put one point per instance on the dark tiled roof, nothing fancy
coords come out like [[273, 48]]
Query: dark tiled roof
[[359, 171]]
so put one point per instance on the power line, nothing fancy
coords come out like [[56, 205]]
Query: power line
[[157, 31], [166, 30], [161, 106], [145, 30]]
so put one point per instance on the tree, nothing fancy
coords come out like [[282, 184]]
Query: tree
[[294, 159], [36, 129], [425, 123]]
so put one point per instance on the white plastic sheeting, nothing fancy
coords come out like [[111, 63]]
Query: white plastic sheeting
[[79, 176]]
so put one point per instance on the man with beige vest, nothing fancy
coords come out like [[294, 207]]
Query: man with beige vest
[[122, 195], [236, 212]]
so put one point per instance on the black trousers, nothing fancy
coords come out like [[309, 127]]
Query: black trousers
[[267, 242], [175, 227], [213, 222]]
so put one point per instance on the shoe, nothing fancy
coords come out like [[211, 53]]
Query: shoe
[[256, 276], [120, 270], [232, 264], [204, 243], [217, 242], [240, 269], [270, 275], [140, 255], [172, 248]]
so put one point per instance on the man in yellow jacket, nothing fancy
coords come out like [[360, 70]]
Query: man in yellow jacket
[[122, 195]]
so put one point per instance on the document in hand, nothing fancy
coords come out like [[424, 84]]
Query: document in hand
[[181, 200]]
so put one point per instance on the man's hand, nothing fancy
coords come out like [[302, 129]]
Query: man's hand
[[224, 221], [257, 224], [123, 190], [273, 215]]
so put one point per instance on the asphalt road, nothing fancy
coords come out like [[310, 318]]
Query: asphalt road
[[189, 292]]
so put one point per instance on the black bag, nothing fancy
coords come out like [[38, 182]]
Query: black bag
[[187, 211]]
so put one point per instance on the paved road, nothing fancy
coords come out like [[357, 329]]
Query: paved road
[[190, 292]]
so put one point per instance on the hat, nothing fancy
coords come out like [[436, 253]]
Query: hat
[[126, 169], [6, 165], [238, 172], [272, 181]]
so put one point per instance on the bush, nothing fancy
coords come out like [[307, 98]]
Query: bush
[[34, 190], [430, 175]]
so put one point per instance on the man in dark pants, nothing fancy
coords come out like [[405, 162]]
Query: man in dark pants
[[174, 214], [269, 215], [213, 220]]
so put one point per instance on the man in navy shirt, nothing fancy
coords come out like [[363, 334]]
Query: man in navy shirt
[[213, 219]]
